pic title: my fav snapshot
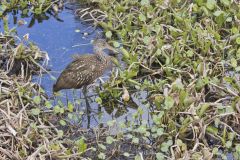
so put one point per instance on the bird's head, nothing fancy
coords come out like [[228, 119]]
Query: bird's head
[[101, 44]]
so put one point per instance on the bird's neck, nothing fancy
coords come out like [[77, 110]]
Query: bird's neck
[[100, 53]]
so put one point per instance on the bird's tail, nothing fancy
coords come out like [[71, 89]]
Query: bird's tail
[[55, 88]]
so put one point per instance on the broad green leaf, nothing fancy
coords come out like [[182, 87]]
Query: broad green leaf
[[60, 133], [126, 154], [101, 156], [145, 2], [238, 40], [109, 140], [135, 140], [116, 44], [111, 123], [168, 103], [48, 104], [35, 111], [233, 62], [142, 17], [146, 40], [62, 122], [218, 13], [108, 34], [225, 2], [138, 157], [211, 4], [229, 144], [102, 146], [160, 156], [56, 109], [98, 100], [82, 146], [70, 107], [37, 99]]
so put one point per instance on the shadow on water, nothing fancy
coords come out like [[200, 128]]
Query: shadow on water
[[62, 36]]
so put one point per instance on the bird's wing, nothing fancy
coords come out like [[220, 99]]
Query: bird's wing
[[78, 56], [75, 74]]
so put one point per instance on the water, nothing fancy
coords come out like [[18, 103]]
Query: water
[[60, 38]]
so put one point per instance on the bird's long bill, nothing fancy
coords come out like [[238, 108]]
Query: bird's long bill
[[112, 49]]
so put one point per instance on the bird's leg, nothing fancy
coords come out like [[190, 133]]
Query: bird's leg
[[88, 112], [84, 90]]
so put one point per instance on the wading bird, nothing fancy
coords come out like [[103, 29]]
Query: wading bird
[[85, 69]]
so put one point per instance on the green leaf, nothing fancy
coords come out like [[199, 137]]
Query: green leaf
[[190, 53], [116, 44], [82, 146], [98, 100], [48, 104], [234, 30], [202, 109], [135, 140], [212, 130], [61, 110], [146, 40], [126, 154], [229, 144], [70, 107], [168, 103], [229, 19], [164, 147], [160, 131], [160, 156], [238, 40], [37, 10], [108, 34], [237, 69], [56, 109], [37, 99], [35, 111], [142, 17], [138, 157], [233, 62], [109, 140], [145, 2], [225, 2], [60, 133], [111, 123], [62, 122], [70, 116], [142, 129], [101, 156], [211, 4], [218, 13], [102, 146]]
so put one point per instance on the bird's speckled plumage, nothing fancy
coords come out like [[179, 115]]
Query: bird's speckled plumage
[[84, 69]]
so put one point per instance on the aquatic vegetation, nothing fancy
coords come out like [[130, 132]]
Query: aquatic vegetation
[[34, 6], [185, 55]]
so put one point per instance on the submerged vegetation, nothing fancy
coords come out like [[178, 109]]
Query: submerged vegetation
[[183, 54]]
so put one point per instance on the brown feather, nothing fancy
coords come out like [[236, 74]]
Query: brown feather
[[82, 71]]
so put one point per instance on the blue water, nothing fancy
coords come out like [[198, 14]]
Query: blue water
[[58, 38], [61, 39]]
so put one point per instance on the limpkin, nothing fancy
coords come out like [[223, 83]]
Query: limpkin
[[85, 69]]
